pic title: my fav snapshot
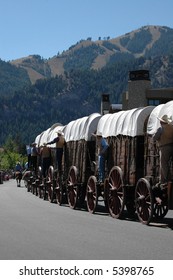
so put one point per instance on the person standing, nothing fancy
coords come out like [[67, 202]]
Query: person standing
[[164, 137], [60, 142], [45, 154], [102, 147], [34, 154]]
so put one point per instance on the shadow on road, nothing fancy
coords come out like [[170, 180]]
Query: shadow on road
[[101, 210], [158, 223]]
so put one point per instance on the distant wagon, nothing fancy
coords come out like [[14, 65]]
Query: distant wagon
[[46, 185], [79, 152]]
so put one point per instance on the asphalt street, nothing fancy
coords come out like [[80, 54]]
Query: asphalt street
[[34, 229]]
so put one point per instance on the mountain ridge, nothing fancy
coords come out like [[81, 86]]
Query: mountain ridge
[[104, 50]]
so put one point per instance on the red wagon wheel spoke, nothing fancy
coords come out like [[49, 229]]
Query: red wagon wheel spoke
[[91, 194], [115, 193], [144, 201]]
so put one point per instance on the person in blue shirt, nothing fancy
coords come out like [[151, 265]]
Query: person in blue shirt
[[18, 173], [34, 154], [18, 167], [102, 149]]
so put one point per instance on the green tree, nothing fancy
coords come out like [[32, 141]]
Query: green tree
[[11, 154]]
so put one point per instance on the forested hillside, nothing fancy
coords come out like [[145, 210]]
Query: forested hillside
[[38, 93], [12, 78]]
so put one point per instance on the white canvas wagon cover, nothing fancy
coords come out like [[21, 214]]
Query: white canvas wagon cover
[[81, 128], [129, 123], [53, 133], [158, 112], [44, 136], [38, 138]]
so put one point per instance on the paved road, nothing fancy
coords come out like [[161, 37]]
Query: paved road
[[31, 228]]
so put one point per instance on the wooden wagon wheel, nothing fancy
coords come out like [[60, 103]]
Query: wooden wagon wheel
[[38, 180], [91, 194], [72, 189], [144, 201], [115, 192], [33, 185], [40, 186], [106, 192], [59, 190], [29, 184], [25, 177], [160, 208], [49, 183], [44, 183]]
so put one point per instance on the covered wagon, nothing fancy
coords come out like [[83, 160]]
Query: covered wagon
[[151, 200], [79, 156], [124, 132], [46, 189]]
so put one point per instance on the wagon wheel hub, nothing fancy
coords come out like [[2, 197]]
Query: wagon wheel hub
[[141, 197], [112, 189]]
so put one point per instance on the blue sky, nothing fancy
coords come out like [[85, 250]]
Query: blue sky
[[46, 27]]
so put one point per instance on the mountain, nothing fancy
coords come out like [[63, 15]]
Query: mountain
[[148, 41], [35, 93]]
